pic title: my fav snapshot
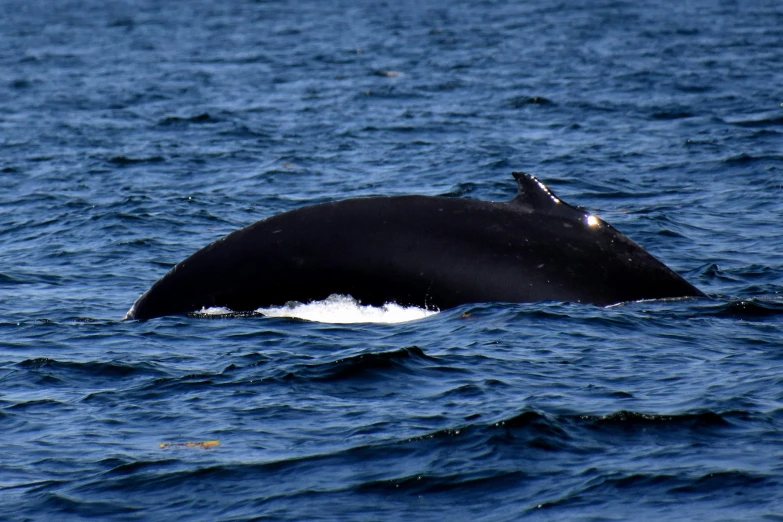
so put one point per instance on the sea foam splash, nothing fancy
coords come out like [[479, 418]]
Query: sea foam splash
[[341, 309]]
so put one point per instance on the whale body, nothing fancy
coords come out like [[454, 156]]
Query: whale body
[[426, 251]]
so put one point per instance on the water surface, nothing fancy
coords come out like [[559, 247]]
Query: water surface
[[135, 133]]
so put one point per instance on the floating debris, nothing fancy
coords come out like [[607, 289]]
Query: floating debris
[[205, 444]]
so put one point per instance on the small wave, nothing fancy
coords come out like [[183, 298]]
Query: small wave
[[423, 484], [721, 481], [86, 508], [6, 279], [682, 485], [746, 308], [110, 370], [566, 432], [47, 405], [338, 309], [365, 365], [744, 158]]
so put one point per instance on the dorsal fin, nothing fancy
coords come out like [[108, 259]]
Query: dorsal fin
[[534, 194]]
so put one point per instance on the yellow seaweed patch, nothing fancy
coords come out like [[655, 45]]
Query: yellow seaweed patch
[[205, 444]]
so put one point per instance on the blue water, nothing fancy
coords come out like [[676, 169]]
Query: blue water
[[134, 133]]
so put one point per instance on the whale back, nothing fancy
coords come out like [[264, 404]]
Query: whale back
[[426, 251]]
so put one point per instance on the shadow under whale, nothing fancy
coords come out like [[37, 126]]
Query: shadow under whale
[[426, 251]]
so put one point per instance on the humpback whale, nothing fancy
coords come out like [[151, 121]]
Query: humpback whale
[[426, 251]]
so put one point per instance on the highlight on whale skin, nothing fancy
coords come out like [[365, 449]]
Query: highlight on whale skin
[[429, 252]]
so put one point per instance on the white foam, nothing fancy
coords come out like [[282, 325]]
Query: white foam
[[215, 310], [340, 309]]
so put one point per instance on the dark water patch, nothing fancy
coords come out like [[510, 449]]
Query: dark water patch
[[184, 120], [519, 102], [123, 21], [401, 128], [135, 467], [692, 87], [671, 114], [20, 83], [125, 160], [630, 421], [447, 86]]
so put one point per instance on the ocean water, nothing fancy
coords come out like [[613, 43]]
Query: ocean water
[[134, 133]]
